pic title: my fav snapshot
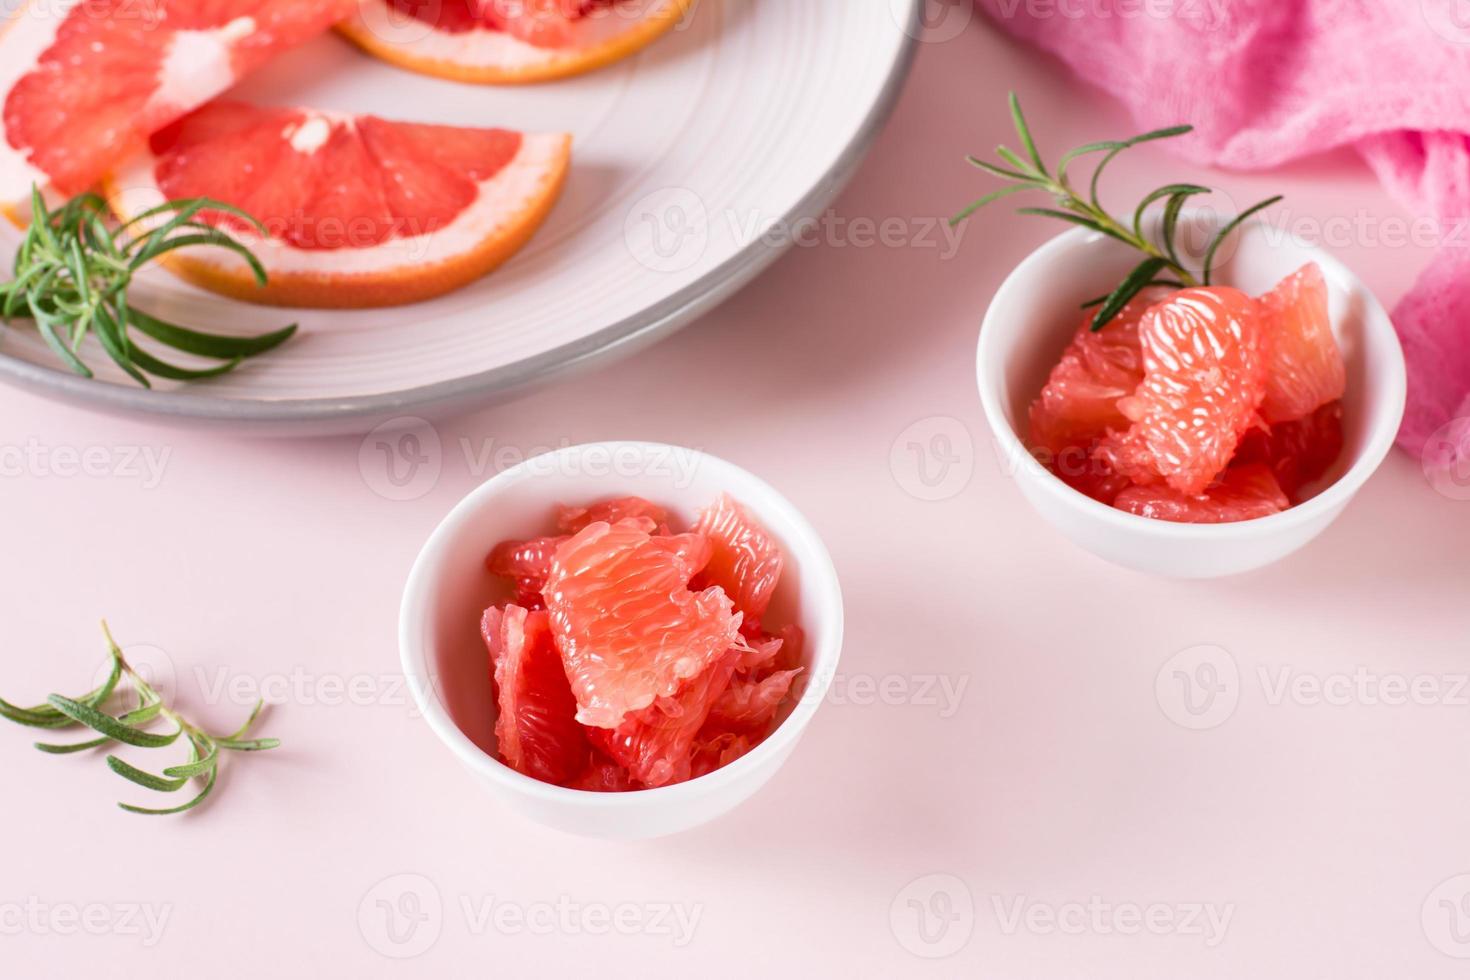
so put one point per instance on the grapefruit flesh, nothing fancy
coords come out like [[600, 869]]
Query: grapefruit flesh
[[1204, 374], [1304, 366], [358, 210], [629, 628], [84, 82], [509, 41], [1079, 401], [1242, 494], [573, 519], [656, 744], [745, 560], [1298, 453], [748, 705], [537, 729], [526, 564]]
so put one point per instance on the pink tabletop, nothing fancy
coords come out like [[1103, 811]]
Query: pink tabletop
[[1013, 776]]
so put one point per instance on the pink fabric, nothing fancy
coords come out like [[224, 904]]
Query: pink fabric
[[1266, 81]]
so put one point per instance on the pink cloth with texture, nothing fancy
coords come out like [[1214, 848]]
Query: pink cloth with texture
[[1266, 81]]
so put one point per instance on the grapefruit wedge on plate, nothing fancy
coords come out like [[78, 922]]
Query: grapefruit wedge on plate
[[358, 211], [84, 82], [509, 41]]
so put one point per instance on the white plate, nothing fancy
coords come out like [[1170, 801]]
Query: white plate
[[689, 161]]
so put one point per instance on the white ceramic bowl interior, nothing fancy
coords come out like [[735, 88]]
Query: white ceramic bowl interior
[[445, 661], [1033, 317]]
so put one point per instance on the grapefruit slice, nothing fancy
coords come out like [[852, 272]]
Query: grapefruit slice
[[509, 41], [745, 561], [358, 211], [1305, 369], [1204, 375], [84, 82], [629, 628], [537, 729], [1242, 494]]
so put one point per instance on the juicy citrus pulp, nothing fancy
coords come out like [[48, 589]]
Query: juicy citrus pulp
[[1155, 412], [653, 674]]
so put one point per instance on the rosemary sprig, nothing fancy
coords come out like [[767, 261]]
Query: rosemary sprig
[[132, 727], [72, 273], [1162, 265]]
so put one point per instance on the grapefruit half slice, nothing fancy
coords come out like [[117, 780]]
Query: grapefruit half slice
[[359, 211], [84, 82], [509, 41]]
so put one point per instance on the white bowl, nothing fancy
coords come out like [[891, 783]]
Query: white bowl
[[1035, 314], [445, 661]]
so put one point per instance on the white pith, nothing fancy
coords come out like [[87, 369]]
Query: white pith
[[196, 68], [499, 204], [479, 48]]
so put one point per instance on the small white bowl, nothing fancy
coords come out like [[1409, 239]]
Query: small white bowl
[[1036, 312], [446, 665]]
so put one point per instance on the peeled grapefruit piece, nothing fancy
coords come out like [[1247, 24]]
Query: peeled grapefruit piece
[[1204, 374], [509, 41], [84, 82], [1079, 401], [718, 751], [1304, 368], [573, 519], [629, 628], [526, 564], [748, 705], [537, 729], [359, 211], [1298, 453], [1242, 493], [746, 561], [656, 744]]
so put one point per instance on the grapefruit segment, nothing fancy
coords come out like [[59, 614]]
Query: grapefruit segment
[[526, 564], [656, 744], [629, 628], [358, 210], [573, 519], [84, 82], [1204, 374], [749, 705], [1242, 494], [1298, 453], [745, 561], [1304, 367], [537, 728], [509, 41], [719, 751]]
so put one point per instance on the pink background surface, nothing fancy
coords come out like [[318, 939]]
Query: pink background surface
[[1059, 776]]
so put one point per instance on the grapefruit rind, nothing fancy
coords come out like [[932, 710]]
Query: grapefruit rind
[[511, 205], [495, 57]]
